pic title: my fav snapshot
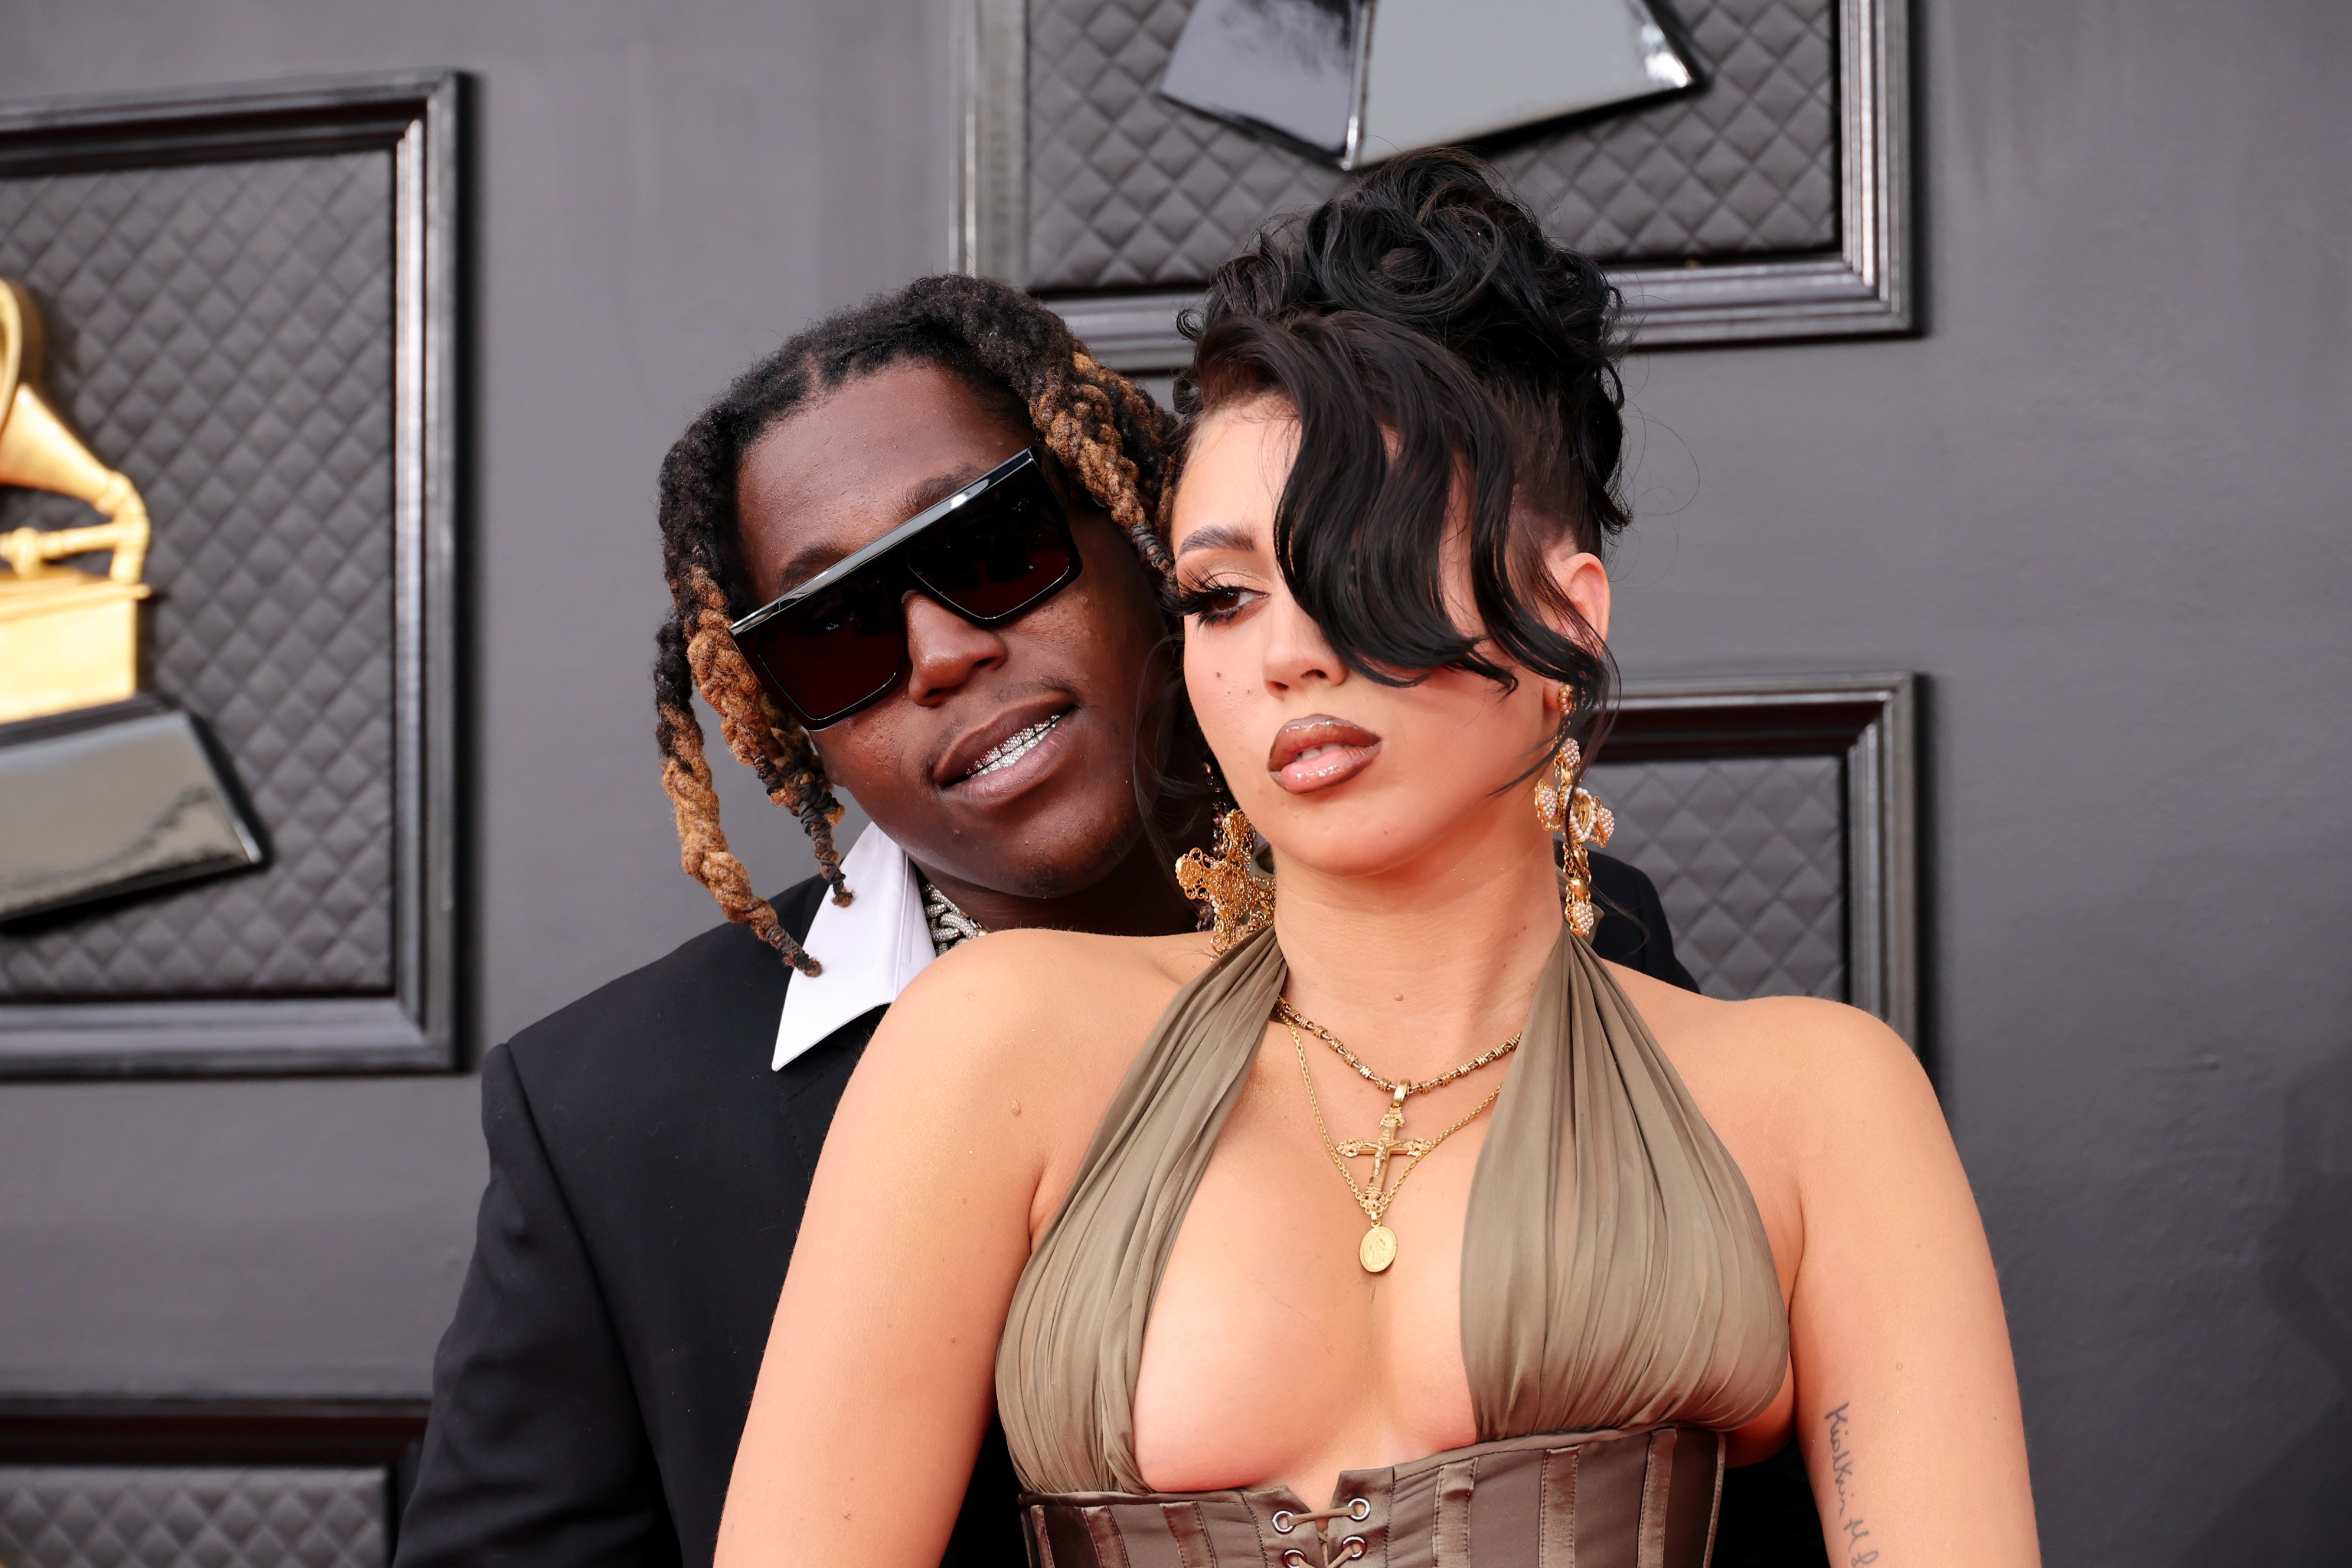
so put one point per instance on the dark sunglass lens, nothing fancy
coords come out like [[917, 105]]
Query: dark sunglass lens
[[836, 651], [1011, 552]]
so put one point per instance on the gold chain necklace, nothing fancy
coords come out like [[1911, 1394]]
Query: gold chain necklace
[[1298, 1020], [1378, 1248]]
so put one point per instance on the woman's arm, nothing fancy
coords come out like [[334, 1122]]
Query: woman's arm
[[1907, 1395], [879, 1376]]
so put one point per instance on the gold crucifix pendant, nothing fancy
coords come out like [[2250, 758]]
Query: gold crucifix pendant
[[1378, 1248]]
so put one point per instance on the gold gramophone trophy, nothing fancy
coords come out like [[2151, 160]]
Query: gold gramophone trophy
[[104, 790], [67, 639]]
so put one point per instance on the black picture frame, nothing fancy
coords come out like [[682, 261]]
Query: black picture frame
[[415, 116], [137, 1437], [1870, 723], [1866, 287]]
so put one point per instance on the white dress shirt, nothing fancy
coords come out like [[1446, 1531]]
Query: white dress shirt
[[871, 949]]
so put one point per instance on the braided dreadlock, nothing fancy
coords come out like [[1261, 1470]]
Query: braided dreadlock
[[1006, 347]]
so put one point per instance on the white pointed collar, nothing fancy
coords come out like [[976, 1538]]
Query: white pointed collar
[[871, 949]]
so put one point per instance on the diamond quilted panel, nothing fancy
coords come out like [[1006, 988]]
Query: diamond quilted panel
[[71, 1516], [222, 334], [1127, 190], [1748, 854]]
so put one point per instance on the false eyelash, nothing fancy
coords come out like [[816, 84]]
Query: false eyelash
[[1211, 602]]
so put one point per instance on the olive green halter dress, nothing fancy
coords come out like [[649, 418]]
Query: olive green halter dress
[[1619, 1312]]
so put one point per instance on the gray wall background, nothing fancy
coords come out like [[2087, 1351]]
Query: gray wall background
[[2101, 503]]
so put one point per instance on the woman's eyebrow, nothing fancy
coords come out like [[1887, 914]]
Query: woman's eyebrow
[[1219, 536]]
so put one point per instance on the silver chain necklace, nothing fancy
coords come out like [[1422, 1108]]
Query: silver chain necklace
[[950, 926]]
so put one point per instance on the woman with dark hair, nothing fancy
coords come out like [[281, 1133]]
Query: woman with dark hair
[[1604, 1235]]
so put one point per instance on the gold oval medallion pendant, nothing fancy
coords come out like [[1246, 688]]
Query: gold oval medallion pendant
[[1378, 1249]]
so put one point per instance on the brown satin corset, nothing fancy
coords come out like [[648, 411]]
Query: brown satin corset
[[1618, 1298], [1643, 1499]]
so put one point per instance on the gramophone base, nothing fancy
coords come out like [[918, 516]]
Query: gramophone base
[[67, 641], [110, 801]]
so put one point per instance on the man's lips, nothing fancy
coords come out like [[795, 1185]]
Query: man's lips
[[1318, 751], [999, 747]]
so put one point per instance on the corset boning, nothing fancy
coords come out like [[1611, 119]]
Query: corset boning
[[1637, 1499]]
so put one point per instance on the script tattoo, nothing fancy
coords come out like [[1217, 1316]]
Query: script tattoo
[[1855, 1529]]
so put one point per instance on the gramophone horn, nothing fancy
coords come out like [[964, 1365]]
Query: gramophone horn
[[20, 343], [39, 452]]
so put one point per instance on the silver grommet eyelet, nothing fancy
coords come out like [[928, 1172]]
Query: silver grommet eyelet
[[1359, 1508], [1284, 1523], [1294, 1558], [1354, 1547]]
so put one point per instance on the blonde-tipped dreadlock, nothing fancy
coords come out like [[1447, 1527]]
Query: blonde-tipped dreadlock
[[1006, 347]]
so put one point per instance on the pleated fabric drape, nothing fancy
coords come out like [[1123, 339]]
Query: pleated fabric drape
[[1615, 1273]]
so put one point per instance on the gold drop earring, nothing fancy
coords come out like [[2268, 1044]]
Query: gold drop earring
[[1568, 808], [1240, 896]]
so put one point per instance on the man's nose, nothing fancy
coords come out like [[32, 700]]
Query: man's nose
[[944, 649]]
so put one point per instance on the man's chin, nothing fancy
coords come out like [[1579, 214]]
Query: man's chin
[[1045, 856]]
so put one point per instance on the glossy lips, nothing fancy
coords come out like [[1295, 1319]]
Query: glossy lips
[[1318, 751]]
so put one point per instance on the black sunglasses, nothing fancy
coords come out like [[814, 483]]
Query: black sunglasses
[[837, 645]]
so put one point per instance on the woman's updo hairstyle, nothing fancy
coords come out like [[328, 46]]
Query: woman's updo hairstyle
[[1424, 306]]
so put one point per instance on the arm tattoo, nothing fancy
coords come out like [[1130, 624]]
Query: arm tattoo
[[1851, 1525]]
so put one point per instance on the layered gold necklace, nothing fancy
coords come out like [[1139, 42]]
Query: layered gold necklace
[[1378, 1248]]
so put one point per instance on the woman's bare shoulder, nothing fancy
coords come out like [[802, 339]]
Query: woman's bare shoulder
[[1017, 966], [1011, 1000], [1812, 1059]]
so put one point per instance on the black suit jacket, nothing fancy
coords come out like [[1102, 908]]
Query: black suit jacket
[[647, 1173]]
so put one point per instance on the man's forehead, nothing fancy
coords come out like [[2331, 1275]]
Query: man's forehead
[[845, 470], [793, 506]]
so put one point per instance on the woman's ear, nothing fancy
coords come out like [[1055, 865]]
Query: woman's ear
[[1583, 581]]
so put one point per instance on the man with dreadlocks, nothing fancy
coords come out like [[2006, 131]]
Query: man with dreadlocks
[[986, 701]]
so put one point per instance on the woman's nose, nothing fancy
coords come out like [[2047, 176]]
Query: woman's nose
[[943, 649], [1296, 652]]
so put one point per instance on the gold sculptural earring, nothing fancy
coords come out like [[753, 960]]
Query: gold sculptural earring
[[1240, 896], [1568, 808]]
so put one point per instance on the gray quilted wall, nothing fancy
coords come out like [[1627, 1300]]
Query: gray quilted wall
[[2137, 296], [71, 1516], [222, 334], [1127, 190], [1748, 855]]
